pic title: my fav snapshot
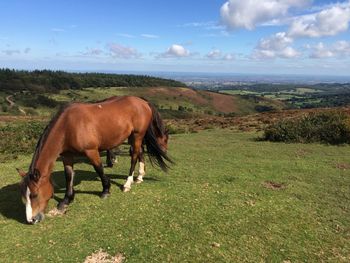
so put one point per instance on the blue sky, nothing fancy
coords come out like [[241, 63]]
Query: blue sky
[[220, 36]]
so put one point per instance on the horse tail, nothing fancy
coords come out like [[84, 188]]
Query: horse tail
[[155, 152]]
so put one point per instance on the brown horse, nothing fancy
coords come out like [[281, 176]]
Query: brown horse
[[82, 128]]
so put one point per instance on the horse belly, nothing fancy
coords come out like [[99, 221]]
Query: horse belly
[[114, 136]]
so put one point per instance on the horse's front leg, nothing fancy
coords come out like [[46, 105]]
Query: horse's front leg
[[95, 159], [134, 152], [69, 174]]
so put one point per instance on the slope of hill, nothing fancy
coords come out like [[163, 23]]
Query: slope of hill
[[172, 101], [40, 81]]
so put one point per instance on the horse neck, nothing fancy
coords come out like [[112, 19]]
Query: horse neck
[[51, 149]]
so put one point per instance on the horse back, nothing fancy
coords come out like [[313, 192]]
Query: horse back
[[105, 124]]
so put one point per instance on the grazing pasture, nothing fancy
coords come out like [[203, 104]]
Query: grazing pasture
[[229, 198]]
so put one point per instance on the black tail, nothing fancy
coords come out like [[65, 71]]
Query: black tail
[[156, 128]]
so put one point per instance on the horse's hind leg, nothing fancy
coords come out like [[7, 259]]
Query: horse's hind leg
[[94, 157], [69, 174], [142, 172], [111, 158], [135, 150]]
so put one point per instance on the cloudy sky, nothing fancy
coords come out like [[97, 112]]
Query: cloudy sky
[[223, 36]]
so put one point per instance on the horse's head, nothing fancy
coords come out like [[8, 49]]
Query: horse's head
[[163, 140], [36, 192]]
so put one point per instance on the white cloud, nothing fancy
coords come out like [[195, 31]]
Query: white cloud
[[214, 54], [229, 57], [119, 51], [57, 30], [175, 51], [10, 52], [340, 49], [125, 35], [320, 51], [276, 46], [27, 50], [217, 54], [93, 52], [149, 36], [249, 13], [327, 22]]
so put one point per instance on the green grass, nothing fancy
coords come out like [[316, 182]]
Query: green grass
[[239, 92], [214, 193]]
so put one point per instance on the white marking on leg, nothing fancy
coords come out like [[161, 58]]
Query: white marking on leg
[[141, 172], [129, 181], [71, 182], [29, 210]]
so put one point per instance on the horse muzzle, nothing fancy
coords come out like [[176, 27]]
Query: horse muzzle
[[36, 219]]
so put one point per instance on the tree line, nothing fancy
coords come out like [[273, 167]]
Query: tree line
[[39, 81]]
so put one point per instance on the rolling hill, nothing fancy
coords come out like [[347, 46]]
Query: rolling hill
[[173, 102]]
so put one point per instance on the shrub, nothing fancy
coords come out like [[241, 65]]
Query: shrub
[[264, 108], [20, 138], [326, 127], [175, 129]]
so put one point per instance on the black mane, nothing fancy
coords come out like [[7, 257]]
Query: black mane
[[43, 138]]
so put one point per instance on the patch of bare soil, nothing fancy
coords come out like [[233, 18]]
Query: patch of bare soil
[[343, 166], [55, 212], [101, 256], [273, 185], [302, 152]]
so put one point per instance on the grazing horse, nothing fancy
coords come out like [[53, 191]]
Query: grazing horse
[[88, 128]]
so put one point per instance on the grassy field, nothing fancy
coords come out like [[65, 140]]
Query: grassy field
[[229, 198]]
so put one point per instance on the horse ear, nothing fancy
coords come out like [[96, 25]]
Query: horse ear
[[35, 176], [21, 172]]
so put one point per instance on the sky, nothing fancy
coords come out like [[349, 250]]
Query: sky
[[215, 36]]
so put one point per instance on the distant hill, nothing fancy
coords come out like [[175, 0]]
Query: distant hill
[[40, 81], [173, 102], [42, 92]]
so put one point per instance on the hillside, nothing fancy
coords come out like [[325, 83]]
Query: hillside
[[40, 81], [173, 102]]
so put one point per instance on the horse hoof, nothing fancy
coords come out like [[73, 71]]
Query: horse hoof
[[126, 189], [105, 195], [62, 206], [138, 181]]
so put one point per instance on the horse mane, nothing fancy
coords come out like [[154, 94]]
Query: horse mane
[[44, 136]]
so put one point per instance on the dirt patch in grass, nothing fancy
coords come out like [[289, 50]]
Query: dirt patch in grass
[[55, 212], [302, 152], [274, 186], [101, 256], [343, 166]]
